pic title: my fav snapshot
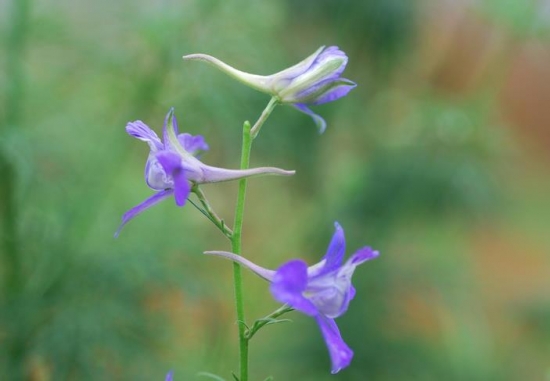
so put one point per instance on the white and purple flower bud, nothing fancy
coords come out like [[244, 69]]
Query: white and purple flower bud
[[313, 81]]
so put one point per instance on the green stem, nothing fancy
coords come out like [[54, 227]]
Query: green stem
[[265, 114], [269, 319], [209, 212], [237, 248], [236, 238]]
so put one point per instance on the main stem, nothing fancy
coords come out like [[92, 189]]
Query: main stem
[[236, 246], [236, 238]]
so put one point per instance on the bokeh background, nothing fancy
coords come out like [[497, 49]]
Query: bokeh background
[[439, 158]]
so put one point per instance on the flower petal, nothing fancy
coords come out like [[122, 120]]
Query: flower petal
[[349, 297], [155, 175], [332, 53], [320, 122], [182, 188], [362, 255], [336, 250], [284, 77], [169, 376], [258, 270], [171, 163], [171, 138], [340, 353], [192, 144], [136, 210], [346, 271], [170, 123], [326, 69], [289, 283], [339, 90], [141, 131]]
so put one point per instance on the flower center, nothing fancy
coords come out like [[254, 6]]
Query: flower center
[[329, 294]]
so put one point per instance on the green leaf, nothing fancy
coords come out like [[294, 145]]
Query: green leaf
[[275, 321], [210, 375], [243, 323]]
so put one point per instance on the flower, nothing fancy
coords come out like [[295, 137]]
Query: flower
[[314, 81], [172, 166], [169, 376], [322, 291]]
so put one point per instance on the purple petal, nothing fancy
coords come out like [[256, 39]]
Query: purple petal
[[289, 283], [340, 353], [169, 376], [330, 53], [327, 90], [350, 294], [329, 295], [347, 270], [141, 131], [284, 77], [362, 255], [320, 122], [171, 163], [258, 270], [193, 144], [335, 93], [155, 175], [170, 121], [182, 188], [336, 250], [136, 210]]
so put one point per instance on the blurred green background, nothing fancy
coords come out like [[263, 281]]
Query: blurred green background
[[440, 159]]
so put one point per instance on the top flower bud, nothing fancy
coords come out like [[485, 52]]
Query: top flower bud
[[315, 80]]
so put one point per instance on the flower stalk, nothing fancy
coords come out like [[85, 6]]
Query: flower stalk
[[210, 213], [269, 319], [273, 102]]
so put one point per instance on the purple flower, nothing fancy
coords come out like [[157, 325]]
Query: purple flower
[[322, 291], [314, 81], [169, 376], [172, 166]]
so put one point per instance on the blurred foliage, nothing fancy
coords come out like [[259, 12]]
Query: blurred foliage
[[523, 18], [385, 29], [432, 176]]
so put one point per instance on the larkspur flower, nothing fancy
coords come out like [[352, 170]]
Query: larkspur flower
[[322, 291], [314, 81], [172, 166]]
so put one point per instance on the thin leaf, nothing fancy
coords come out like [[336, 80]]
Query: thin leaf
[[275, 321], [210, 375]]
